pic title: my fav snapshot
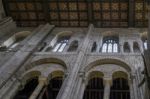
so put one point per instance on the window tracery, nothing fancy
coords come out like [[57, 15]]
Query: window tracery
[[60, 44], [110, 45]]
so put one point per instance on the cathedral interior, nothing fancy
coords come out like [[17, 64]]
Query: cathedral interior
[[74, 49]]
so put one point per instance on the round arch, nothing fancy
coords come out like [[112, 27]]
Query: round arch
[[48, 60], [64, 33], [107, 61], [120, 74], [55, 74], [16, 37], [22, 34], [95, 74], [110, 33], [29, 75]]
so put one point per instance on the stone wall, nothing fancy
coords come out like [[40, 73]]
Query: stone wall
[[75, 65]]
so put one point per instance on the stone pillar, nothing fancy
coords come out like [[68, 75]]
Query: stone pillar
[[100, 44], [107, 84], [42, 82], [131, 47], [80, 86], [133, 87], [72, 77], [121, 47]]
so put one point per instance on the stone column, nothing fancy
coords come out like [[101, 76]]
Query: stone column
[[107, 84], [42, 82]]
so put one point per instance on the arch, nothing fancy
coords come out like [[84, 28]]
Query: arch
[[126, 47], [95, 86], [27, 90], [64, 33], [55, 83], [22, 34], [120, 74], [110, 33], [110, 44], [73, 46], [107, 61], [120, 87], [144, 39], [94, 47], [48, 60], [55, 74], [60, 41], [136, 47], [95, 74], [29, 75], [17, 37], [29, 82]]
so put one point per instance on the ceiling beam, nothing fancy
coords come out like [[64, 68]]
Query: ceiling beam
[[131, 13]]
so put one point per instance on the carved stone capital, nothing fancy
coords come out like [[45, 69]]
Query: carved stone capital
[[107, 81], [43, 80]]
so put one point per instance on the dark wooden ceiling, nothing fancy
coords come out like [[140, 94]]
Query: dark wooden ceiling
[[78, 13]]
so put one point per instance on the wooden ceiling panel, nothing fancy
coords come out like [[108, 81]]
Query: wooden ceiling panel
[[78, 13]]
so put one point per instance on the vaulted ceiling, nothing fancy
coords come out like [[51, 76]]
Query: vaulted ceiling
[[78, 13]]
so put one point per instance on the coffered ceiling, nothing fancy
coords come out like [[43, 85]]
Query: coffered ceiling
[[78, 13]]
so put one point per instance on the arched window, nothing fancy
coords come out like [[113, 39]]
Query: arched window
[[110, 45], [51, 91], [14, 40], [73, 46], [61, 44], [126, 47], [27, 90], [95, 88], [145, 44], [120, 89], [136, 47], [94, 47]]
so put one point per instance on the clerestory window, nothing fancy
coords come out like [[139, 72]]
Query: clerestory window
[[61, 44], [110, 45]]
